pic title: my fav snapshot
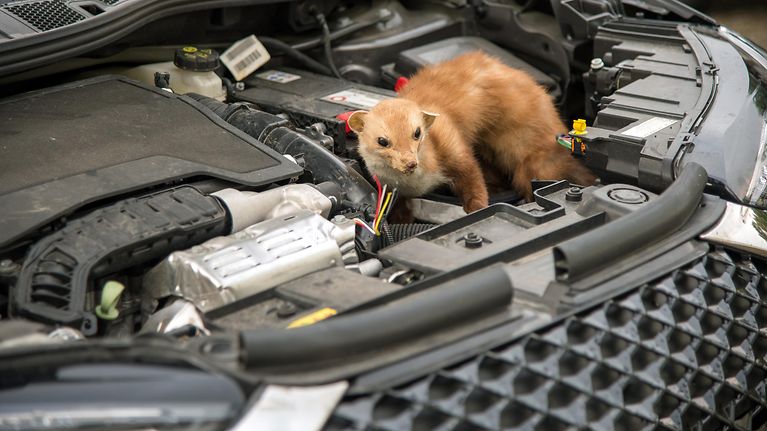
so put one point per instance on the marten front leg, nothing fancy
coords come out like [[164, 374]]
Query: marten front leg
[[463, 169], [469, 183]]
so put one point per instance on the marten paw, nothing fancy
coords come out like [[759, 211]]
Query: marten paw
[[474, 204]]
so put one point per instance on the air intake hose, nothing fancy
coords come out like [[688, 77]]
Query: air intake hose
[[276, 133]]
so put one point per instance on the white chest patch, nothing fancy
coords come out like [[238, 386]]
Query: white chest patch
[[414, 185]]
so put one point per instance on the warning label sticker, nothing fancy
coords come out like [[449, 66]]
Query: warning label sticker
[[355, 98], [278, 76]]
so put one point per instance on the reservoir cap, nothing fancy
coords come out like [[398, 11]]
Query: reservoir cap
[[196, 59]]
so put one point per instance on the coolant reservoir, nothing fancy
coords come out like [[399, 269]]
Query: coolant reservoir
[[191, 71]]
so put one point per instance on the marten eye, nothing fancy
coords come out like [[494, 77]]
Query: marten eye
[[383, 142], [417, 134]]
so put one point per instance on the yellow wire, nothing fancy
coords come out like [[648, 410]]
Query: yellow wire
[[381, 213], [384, 206]]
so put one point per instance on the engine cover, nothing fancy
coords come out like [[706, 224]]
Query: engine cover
[[71, 145]]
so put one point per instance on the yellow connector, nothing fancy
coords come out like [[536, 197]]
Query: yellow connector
[[578, 147], [579, 127]]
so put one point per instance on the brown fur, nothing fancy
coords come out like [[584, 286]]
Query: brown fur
[[484, 108]]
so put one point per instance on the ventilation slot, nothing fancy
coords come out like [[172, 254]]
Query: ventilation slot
[[44, 15]]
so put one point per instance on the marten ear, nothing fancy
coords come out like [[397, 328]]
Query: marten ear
[[356, 121], [428, 118]]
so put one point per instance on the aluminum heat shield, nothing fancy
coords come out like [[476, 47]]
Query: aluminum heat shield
[[226, 269]]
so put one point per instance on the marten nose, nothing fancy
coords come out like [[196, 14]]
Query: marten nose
[[411, 165]]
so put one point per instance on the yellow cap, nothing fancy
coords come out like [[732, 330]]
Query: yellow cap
[[579, 127]]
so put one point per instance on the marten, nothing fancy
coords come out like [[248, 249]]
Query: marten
[[454, 116]]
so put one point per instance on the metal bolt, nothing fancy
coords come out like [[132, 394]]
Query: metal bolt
[[286, 309], [575, 194], [239, 86], [597, 64], [7, 266], [472, 240]]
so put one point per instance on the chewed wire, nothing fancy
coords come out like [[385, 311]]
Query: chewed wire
[[384, 202], [565, 141], [363, 225], [379, 200], [384, 207]]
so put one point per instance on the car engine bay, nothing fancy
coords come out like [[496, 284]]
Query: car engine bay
[[130, 208], [183, 206], [165, 212]]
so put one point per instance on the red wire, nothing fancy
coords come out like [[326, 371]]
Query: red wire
[[378, 201]]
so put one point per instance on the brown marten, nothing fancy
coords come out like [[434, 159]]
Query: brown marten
[[452, 115]]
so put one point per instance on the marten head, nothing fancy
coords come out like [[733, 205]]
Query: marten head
[[391, 134]]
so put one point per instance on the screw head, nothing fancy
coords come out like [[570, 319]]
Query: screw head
[[575, 194], [472, 240], [286, 309]]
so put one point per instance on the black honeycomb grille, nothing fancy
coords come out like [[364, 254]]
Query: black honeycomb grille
[[44, 15], [686, 352]]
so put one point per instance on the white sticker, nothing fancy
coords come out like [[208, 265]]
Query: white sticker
[[244, 57], [355, 98], [278, 76], [647, 128], [292, 408]]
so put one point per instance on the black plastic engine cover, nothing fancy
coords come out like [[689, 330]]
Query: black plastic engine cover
[[67, 146], [60, 269]]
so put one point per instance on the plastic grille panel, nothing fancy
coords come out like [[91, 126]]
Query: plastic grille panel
[[686, 352], [45, 15]]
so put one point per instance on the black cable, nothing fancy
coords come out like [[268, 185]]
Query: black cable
[[352, 28], [273, 44], [326, 39]]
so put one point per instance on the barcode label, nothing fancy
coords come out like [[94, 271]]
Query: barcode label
[[237, 49], [247, 61], [244, 57]]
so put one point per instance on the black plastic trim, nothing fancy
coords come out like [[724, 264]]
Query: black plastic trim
[[455, 302], [36, 50], [601, 247]]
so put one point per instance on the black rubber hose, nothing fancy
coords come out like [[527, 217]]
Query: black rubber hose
[[273, 44], [323, 165], [601, 247], [403, 321], [272, 131], [401, 232]]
